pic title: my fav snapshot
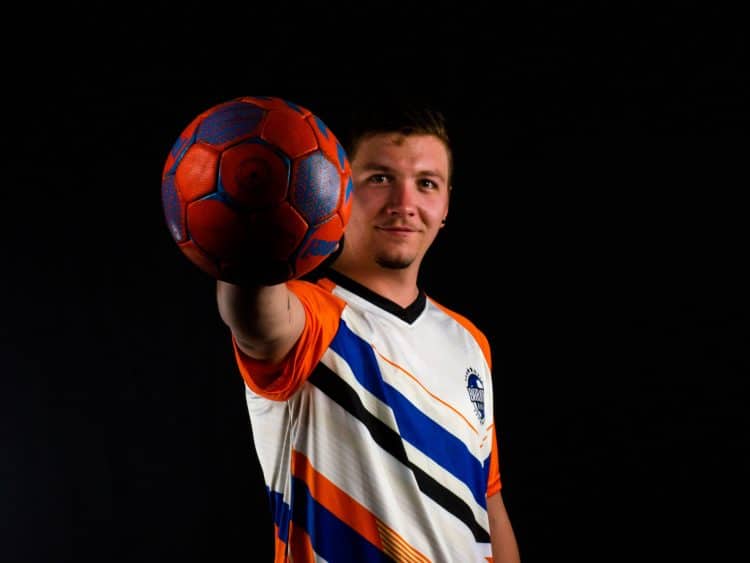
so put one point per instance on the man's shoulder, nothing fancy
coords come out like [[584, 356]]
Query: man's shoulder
[[317, 294], [467, 325], [460, 318]]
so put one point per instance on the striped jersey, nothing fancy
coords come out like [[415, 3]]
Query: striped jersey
[[376, 434]]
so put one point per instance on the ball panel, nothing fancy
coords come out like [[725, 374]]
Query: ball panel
[[289, 131], [173, 209], [199, 258], [328, 143], [271, 237], [195, 176], [298, 108], [256, 190], [217, 229], [318, 245], [253, 175], [229, 122], [276, 232], [345, 207], [186, 138], [315, 187]]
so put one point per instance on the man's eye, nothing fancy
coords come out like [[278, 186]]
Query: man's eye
[[425, 183], [378, 179]]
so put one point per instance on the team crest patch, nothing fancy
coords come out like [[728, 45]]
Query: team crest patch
[[475, 389]]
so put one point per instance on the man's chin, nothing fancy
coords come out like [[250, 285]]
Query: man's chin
[[393, 263]]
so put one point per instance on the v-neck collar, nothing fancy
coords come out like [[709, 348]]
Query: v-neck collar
[[408, 314]]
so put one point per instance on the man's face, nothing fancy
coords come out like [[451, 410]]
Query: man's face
[[400, 198]]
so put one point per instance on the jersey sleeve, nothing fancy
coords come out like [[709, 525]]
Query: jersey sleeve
[[494, 483], [279, 381]]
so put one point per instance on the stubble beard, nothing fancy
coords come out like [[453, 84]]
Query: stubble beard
[[394, 257], [393, 264], [396, 261]]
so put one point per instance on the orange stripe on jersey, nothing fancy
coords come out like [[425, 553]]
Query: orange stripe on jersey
[[483, 443], [395, 547], [279, 547], [438, 399], [326, 284], [468, 325], [352, 513], [300, 545], [493, 479], [322, 315]]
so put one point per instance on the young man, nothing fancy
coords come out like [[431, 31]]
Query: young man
[[371, 405]]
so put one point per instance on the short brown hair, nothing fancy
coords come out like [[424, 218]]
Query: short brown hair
[[396, 117]]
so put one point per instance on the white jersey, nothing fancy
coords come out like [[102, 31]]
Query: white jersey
[[376, 434]]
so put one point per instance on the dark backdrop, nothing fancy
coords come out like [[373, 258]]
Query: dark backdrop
[[597, 236]]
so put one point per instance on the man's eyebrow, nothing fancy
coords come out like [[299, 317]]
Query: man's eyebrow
[[373, 165], [433, 173]]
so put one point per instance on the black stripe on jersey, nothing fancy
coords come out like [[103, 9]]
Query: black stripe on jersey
[[337, 389]]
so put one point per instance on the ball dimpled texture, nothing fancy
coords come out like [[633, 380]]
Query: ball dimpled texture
[[256, 190]]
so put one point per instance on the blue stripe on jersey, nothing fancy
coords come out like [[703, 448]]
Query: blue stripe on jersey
[[331, 538], [441, 446], [361, 359], [280, 513], [329, 382], [414, 426]]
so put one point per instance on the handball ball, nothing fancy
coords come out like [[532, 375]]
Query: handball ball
[[256, 190]]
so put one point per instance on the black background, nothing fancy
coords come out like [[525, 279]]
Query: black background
[[597, 235]]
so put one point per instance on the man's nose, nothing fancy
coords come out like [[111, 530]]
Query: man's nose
[[402, 197]]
